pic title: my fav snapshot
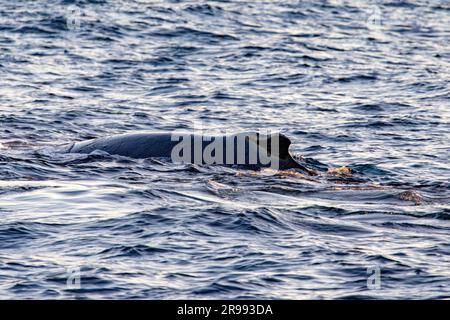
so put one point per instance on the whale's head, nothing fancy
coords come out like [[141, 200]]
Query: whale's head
[[277, 146]]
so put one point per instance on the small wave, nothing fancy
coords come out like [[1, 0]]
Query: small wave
[[131, 251]]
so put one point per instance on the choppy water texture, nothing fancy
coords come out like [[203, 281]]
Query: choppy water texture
[[358, 84]]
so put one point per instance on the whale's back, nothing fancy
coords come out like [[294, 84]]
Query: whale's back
[[241, 149], [139, 145]]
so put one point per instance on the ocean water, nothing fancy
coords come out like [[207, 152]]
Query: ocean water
[[362, 88]]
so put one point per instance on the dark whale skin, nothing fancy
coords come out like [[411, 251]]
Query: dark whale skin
[[160, 145], [135, 145]]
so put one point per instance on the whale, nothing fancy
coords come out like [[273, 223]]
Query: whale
[[249, 150]]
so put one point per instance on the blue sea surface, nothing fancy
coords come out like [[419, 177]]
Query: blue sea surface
[[362, 88]]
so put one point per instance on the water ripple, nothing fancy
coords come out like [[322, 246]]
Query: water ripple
[[360, 87]]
